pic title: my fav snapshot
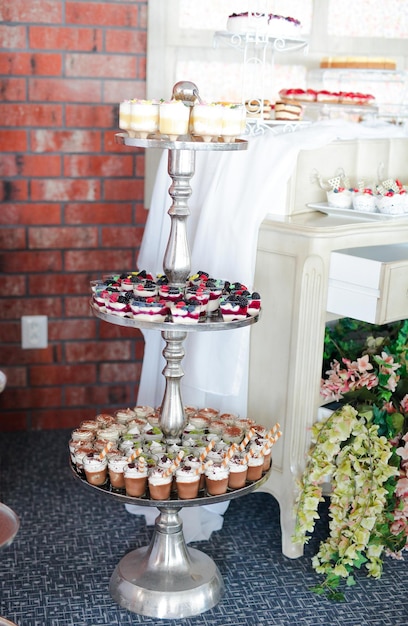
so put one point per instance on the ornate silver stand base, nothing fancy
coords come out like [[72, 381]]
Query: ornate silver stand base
[[167, 579]]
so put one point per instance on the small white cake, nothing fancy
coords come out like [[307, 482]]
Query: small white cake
[[174, 119]]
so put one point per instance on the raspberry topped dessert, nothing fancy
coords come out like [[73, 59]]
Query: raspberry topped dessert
[[139, 296]]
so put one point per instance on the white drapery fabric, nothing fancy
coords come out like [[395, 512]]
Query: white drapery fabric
[[232, 193]]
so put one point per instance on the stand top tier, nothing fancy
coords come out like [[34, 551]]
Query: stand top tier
[[190, 143]]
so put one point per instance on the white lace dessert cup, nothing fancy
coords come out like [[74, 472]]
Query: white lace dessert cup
[[364, 200], [144, 118], [390, 203], [206, 121], [174, 119], [340, 198], [95, 468]]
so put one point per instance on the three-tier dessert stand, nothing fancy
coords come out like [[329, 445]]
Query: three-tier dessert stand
[[167, 579]]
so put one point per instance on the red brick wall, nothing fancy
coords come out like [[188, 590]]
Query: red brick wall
[[71, 203]]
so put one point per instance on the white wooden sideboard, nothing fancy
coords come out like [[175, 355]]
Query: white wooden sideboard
[[297, 272]]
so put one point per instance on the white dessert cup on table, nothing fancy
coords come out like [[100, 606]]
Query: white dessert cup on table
[[390, 205], [364, 202], [340, 199]]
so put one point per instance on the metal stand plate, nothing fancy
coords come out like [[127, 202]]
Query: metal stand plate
[[167, 579]]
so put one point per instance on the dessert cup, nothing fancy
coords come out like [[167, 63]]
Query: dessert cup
[[216, 479], [144, 118], [255, 468], [135, 476], [174, 119], [160, 483], [233, 121], [95, 468], [116, 465], [207, 121], [187, 482], [238, 470]]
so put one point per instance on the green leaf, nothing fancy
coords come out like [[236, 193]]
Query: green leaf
[[360, 560], [350, 581], [395, 422]]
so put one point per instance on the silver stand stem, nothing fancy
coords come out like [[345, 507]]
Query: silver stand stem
[[176, 263], [173, 419], [167, 579]]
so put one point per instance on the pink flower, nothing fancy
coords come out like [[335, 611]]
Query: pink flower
[[389, 408], [401, 490], [404, 404], [403, 452]]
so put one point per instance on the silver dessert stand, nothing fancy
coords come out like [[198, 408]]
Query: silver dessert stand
[[167, 579]]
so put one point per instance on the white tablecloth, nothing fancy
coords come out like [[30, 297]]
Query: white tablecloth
[[232, 194]]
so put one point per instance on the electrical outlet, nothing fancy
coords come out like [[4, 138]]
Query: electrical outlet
[[34, 331]]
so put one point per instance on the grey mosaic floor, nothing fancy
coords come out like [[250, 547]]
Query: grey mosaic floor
[[57, 570]]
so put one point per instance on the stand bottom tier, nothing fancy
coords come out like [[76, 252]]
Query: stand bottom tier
[[167, 579]]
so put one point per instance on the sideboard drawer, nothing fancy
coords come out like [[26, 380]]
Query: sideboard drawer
[[369, 284]]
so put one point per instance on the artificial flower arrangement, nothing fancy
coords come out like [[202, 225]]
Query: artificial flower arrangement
[[361, 448]]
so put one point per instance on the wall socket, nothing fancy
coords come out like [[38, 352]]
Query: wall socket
[[34, 332]]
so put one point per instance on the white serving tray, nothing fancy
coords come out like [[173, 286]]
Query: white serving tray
[[331, 210]]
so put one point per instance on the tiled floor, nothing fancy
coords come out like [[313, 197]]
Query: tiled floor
[[56, 572]]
